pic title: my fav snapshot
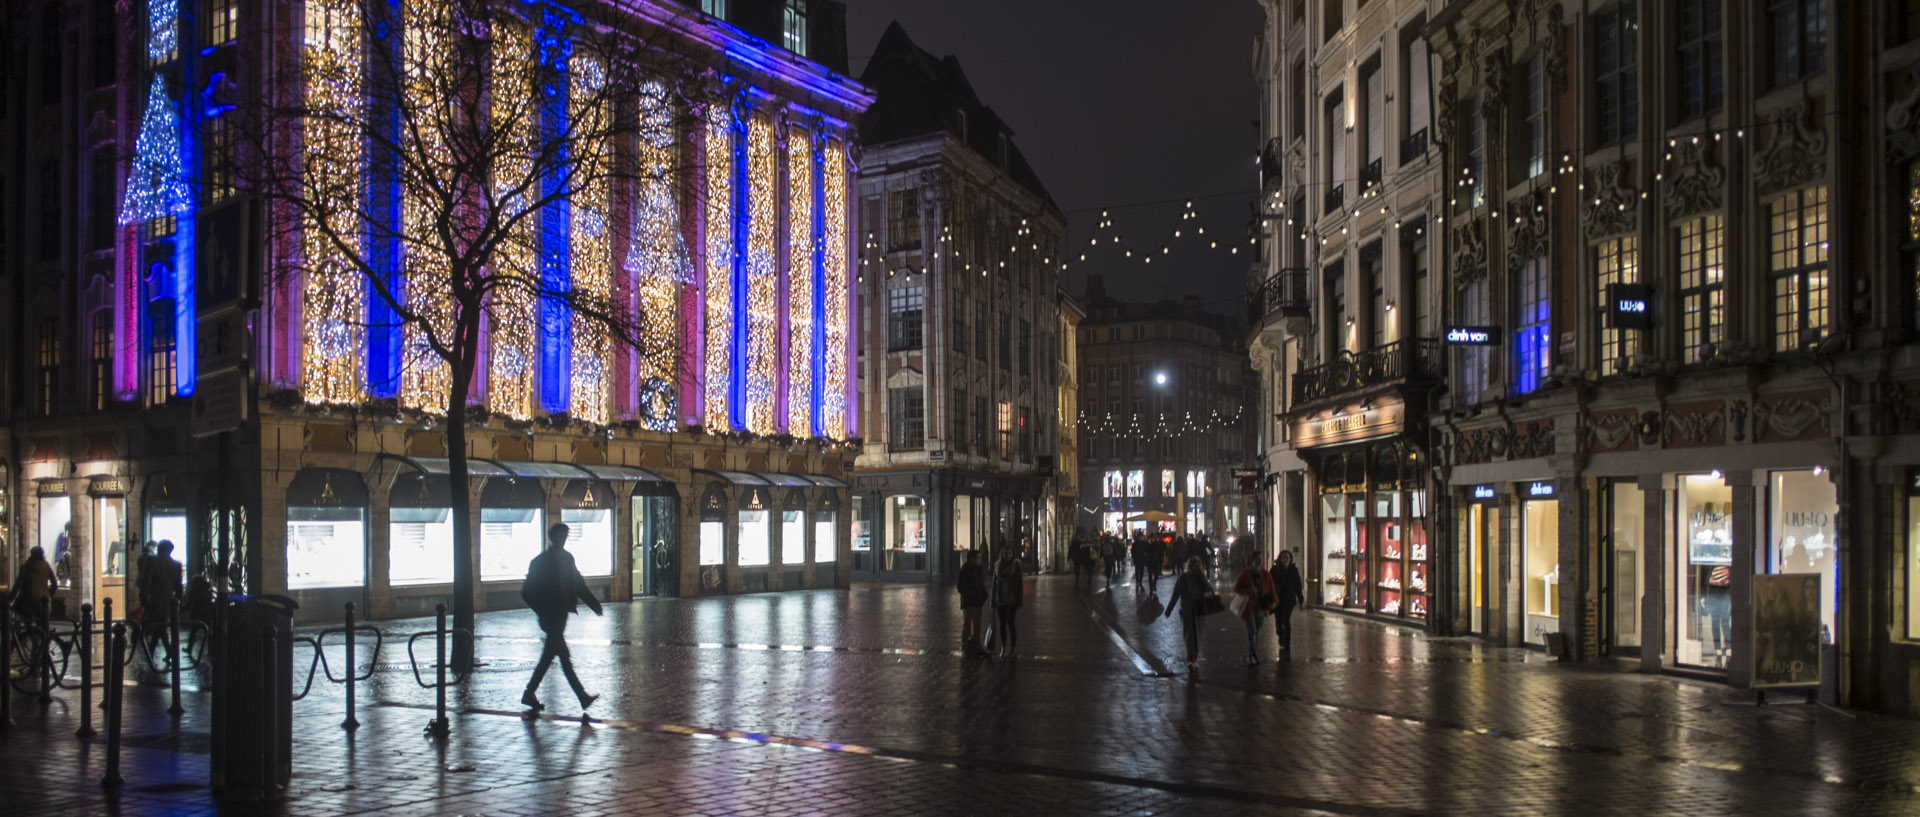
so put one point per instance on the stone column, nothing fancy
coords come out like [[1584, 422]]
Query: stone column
[[1745, 538], [1653, 580]]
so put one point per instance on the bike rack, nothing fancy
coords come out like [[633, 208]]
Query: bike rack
[[439, 727]]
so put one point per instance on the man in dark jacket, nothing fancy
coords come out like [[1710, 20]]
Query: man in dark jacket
[[1139, 564], [973, 596], [553, 588], [1288, 585]]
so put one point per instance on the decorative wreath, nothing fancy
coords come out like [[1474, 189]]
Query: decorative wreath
[[659, 406]]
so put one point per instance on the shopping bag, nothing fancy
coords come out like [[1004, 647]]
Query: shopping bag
[[986, 640], [1239, 604], [1211, 603]]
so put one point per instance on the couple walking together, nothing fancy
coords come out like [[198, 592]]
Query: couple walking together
[[1256, 593]]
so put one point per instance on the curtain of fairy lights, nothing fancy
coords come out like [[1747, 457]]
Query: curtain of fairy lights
[[425, 378], [719, 269], [800, 245], [763, 280], [834, 398], [658, 261], [333, 306], [591, 249], [512, 325]]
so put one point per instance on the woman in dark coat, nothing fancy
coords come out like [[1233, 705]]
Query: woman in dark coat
[[1188, 590], [1009, 589], [1288, 584]]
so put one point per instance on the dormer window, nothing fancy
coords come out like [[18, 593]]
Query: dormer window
[[794, 26]]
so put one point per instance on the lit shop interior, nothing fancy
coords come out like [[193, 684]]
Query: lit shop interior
[[1374, 530]]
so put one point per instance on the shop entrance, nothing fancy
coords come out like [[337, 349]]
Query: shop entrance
[[1703, 568], [1623, 512], [1540, 561], [655, 546], [1481, 513]]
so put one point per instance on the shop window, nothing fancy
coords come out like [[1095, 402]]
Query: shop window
[[590, 539], [326, 547], [1136, 483], [907, 533], [756, 533], [1166, 482], [1540, 567], [110, 535], [509, 539], [1628, 512], [1703, 588], [1803, 509], [1615, 261], [1115, 485], [1702, 84], [1616, 35], [793, 537], [420, 546], [1798, 255], [713, 543], [1703, 287], [826, 540], [1796, 39], [56, 537], [1912, 560], [169, 525], [1910, 247]]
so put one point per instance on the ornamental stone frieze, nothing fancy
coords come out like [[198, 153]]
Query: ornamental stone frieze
[[1469, 255], [1897, 408], [1795, 156], [1903, 122], [1612, 431], [1527, 239], [1785, 418], [1614, 207], [1690, 425], [1695, 182]]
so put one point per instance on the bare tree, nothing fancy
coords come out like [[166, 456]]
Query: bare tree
[[433, 153]]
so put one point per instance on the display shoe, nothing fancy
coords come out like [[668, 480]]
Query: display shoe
[[527, 700]]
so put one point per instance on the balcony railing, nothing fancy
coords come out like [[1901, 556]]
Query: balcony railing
[[1335, 196], [1414, 146], [1283, 293], [1404, 360], [1370, 175]]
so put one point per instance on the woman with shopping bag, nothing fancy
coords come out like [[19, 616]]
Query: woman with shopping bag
[[1253, 598]]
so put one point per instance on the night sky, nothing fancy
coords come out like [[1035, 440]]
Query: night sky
[[1126, 105]]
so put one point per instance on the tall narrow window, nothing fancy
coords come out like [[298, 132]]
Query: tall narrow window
[[1474, 310], [905, 306], [49, 366], [1616, 92], [980, 420], [1533, 330], [903, 219], [1006, 430], [1530, 142], [794, 26], [1797, 252], [1415, 237], [1616, 261], [1797, 36], [160, 353], [957, 417], [980, 330], [217, 149], [1374, 92], [1026, 348], [1702, 86], [1340, 321], [907, 414], [1418, 93], [960, 328], [1297, 106], [716, 8], [1373, 268], [1703, 283], [1910, 249], [1473, 184], [1006, 343], [222, 21], [1336, 150], [101, 372]]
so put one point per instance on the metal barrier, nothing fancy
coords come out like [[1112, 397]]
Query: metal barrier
[[439, 727], [85, 645]]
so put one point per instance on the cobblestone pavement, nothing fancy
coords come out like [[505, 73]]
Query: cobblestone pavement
[[860, 702]]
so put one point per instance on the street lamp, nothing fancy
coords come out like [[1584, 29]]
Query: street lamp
[[1160, 379]]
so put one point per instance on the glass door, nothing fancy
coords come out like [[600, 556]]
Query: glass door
[[1477, 566], [1540, 568], [1703, 568], [1625, 513]]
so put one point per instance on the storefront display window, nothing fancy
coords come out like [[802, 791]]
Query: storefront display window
[[861, 531], [655, 540], [1166, 482], [1136, 483], [509, 539], [420, 546], [907, 533], [825, 541], [110, 535], [170, 526], [1391, 577], [1477, 513], [1416, 547], [756, 533], [713, 543], [590, 539], [1337, 533], [1704, 586], [962, 522], [1802, 508], [326, 547], [793, 537], [56, 537], [1540, 561], [1628, 529]]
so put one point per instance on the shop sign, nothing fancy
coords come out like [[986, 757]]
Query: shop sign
[[99, 486], [1539, 490], [52, 487], [1350, 423], [1473, 336], [1483, 492], [1629, 306], [1786, 629], [1243, 473]]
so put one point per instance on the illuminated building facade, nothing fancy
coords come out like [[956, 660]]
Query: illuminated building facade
[[694, 443], [958, 278]]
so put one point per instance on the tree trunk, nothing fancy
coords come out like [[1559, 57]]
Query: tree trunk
[[466, 349]]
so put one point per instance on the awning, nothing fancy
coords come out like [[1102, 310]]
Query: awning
[[622, 473], [825, 481], [788, 480], [441, 466], [735, 477]]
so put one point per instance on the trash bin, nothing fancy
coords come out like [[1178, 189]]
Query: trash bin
[[253, 697]]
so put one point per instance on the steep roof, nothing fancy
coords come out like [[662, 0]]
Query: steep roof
[[918, 94]]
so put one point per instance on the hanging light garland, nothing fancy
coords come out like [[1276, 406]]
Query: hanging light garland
[[834, 400], [719, 284], [800, 301], [658, 259], [425, 377], [333, 305], [591, 247], [513, 325]]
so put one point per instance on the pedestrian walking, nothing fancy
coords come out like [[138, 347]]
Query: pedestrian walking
[[1156, 558], [1139, 564], [1189, 593], [973, 596], [1111, 556], [1082, 557], [1253, 598], [552, 589], [1291, 590], [32, 586], [1009, 589]]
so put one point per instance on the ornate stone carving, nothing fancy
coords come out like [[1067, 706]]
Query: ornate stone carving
[[1697, 184], [1694, 427], [1789, 417], [1528, 238], [1898, 412], [1614, 207], [1903, 122], [1609, 431], [1493, 94], [1532, 440], [1796, 156], [1553, 55], [1469, 256], [1446, 120]]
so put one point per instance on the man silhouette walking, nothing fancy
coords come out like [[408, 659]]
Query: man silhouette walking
[[552, 589]]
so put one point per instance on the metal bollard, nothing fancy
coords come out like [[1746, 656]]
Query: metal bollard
[[353, 667], [85, 645], [106, 626], [173, 646], [115, 667], [40, 658], [440, 727]]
